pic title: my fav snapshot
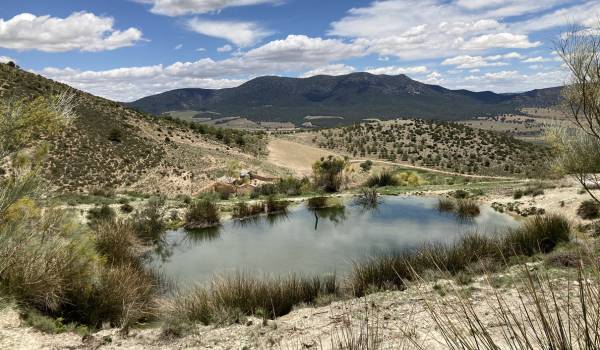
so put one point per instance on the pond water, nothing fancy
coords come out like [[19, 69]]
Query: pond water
[[313, 242]]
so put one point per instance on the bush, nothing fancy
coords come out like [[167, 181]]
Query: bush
[[126, 208], [117, 242], [446, 204], [329, 173], [115, 135], [99, 214], [366, 166], [202, 213], [589, 210], [123, 295], [518, 194], [245, 210], [540, 234], [467, 208], [148, 222], [385, 178], [368, 197], [276, 206]]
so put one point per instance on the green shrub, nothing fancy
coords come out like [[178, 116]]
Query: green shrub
[[540, 234], [518, 194], [117, 242], [446, 204], [589, 210], [202, 213], [467, 208], [276, 206], [328, 173], [126, 208], [245, 210], [149, 221], [366, 166], [385, 178], [99, 214]]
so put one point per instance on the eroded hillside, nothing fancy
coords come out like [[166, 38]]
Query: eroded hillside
[[112, 146]]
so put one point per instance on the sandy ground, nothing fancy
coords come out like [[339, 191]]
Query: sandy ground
[[295, 156]]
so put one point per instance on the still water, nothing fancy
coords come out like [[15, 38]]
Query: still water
[[313, 242]]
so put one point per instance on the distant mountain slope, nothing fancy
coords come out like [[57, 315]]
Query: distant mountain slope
[[354, 96], [112, 146]]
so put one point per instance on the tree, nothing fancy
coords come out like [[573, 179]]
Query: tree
[[579, 150], [329, 173]]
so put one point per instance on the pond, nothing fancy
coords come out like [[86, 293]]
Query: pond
[[314, 242]]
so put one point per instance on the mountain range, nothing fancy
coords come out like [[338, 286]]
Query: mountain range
[[354, 97]]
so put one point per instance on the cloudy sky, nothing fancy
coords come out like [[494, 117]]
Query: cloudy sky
[[126, 49]]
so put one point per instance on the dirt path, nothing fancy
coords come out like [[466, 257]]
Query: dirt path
[[295, 156], [416, 167]]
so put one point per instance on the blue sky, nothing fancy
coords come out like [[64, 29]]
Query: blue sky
[[126, 49]]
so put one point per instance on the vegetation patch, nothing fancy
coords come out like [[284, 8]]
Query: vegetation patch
[[540, 234], [229, 296], [202, 213]]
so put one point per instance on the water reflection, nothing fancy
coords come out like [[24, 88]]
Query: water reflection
[[336, 214], [316, 241], [202, 235]]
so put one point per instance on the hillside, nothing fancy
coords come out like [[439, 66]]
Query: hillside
[[444, 146], [354, 97], [112, 146]]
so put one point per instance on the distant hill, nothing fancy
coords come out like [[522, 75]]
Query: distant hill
[[113, 146], [354, 96]]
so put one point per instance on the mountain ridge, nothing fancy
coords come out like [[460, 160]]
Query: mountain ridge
[[353, 96]]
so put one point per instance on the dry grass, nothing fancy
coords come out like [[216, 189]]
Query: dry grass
[[246, 295], [537, 235]]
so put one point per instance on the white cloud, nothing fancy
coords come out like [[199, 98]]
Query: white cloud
[[440, 28], [585, 14], [225, 48], [469, 62], [6, 59], [536, 59], [242, 34], [80, 31], [178, 47], [508, 81], [185, 7], [396, 70], [332, 69], [201, 49], [503, 40]]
